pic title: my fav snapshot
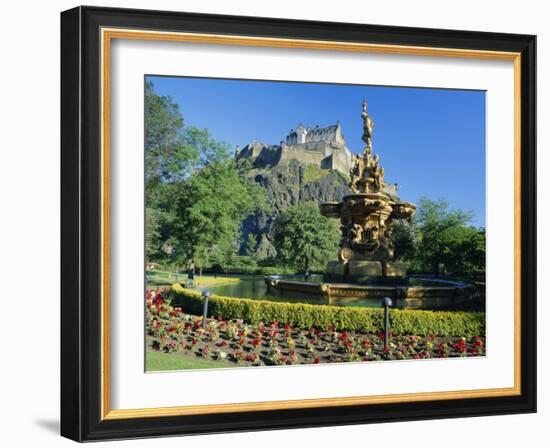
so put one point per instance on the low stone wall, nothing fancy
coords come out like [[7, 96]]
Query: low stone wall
[[442, 296]]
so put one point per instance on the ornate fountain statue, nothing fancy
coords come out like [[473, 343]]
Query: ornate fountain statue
[[366, 248]]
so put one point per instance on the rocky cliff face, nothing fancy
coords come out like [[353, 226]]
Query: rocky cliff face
[[290, 184]]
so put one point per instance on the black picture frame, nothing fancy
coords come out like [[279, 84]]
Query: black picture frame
[[81, 224]]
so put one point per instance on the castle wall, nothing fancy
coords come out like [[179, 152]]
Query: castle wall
[[300, 153], [341, 161]]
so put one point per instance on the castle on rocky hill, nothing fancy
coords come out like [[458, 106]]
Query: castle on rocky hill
[[324, 147]]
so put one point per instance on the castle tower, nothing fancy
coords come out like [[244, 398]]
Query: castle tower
[[301, 133]]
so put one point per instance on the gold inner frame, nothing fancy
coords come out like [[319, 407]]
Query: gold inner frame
[[107, 35]]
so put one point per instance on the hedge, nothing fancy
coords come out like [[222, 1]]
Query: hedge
[[369, 320]]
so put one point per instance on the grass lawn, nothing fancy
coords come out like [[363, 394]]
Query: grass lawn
[[161, 361], [164, 278]]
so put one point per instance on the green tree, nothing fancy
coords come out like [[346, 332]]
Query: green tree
[[251, 244], [405, 239], [175, 157], [468, 254], [211, 206], [303, 238], [173, 151], [153, 240], [165, 152], [444, 235]]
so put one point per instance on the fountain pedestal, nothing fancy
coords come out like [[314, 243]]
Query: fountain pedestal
[[366, 249], [360, 271]]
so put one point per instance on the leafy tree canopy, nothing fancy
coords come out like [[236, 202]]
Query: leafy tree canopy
[[172, 150], [447, 240], [405, 239], [303, 238], [211, 207]]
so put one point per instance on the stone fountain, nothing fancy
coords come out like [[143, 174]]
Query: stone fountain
[[365, 268], [366, 248]]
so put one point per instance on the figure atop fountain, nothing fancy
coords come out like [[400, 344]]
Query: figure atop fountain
[[366, 173], [368, 125]]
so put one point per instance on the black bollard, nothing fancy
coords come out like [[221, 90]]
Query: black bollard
[[386, 303], [205, 294]]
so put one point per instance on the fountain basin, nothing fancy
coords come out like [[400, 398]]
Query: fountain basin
[[406, 292]]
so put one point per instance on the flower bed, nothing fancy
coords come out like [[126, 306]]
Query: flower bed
[[170, 330], [367, 320]]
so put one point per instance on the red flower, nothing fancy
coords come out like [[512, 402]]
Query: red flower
[[256, 342], [460, 346], [251, 357], [317, 360]]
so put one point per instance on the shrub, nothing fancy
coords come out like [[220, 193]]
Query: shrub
[[369, 320]]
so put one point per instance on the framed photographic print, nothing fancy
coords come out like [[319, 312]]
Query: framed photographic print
[[273, 223]]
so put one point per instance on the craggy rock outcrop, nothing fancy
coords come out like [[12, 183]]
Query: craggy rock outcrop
[[288, 184]]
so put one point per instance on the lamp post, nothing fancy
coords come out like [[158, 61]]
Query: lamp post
[[205, 294], [386, 303]]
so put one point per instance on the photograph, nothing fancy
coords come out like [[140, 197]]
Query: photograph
[[301, 223]]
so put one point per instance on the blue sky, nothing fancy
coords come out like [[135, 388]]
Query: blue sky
[[430, 141]]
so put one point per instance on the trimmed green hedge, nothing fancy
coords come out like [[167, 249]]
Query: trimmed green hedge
[[370, 320]]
